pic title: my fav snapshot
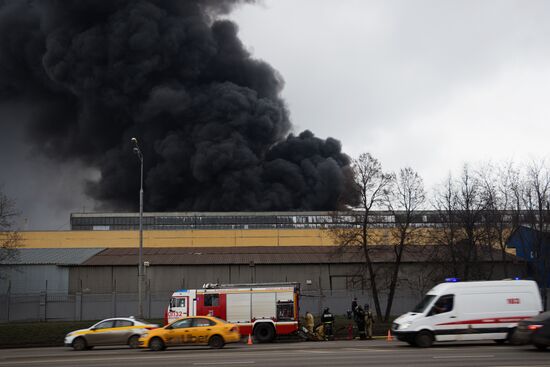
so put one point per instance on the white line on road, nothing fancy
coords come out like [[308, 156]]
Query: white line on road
[[314, 351], [222, 363], [85, 359], [366, 349], [462, 356]]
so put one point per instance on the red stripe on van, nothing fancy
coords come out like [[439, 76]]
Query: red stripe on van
[[488, 320]]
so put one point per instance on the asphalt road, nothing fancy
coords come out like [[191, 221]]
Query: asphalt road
[[337, 353]]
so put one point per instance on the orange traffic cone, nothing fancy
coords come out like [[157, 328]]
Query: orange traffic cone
[[249, 342], [389, 338]]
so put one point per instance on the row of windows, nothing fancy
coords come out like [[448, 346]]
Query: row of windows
[[245, 222], [215, 222], [210, 227]]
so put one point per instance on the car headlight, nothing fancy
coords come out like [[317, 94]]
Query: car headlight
[[405, 325], [144, 335], [69, 334]]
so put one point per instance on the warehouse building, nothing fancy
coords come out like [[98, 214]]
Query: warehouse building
[[91, 272]]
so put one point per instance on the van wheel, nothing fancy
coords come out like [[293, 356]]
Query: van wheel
[[79, 344], [424, 339], [156, 344], [133, 341], [264, 332], [510, 337], [216, 342]]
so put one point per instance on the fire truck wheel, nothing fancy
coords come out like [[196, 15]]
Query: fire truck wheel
[[156, 344], [264, 332], [216, 342]]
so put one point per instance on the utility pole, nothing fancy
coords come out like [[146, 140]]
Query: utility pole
[[140, 260]]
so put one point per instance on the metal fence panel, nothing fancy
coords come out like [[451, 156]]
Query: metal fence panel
[[23, 307], [57, 307], [96, 306], [60, 307]]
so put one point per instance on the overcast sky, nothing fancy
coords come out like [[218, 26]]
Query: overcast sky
[[430, 84], [427, 84]]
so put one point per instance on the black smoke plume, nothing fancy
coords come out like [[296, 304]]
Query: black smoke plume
[[209, 118]]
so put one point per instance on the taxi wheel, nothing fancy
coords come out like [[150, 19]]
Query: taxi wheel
[[79, 344], [156, 344], [216, 342], [133, 341]]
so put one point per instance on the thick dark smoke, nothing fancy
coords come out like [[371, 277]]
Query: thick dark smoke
[[209, 119]]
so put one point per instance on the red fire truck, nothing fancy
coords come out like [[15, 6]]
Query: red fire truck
[[264, 310]]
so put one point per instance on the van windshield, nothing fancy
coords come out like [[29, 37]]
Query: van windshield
[[421, 307]]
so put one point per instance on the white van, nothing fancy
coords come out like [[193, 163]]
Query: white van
[[469, 311]]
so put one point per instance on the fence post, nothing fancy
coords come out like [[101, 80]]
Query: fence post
[[113, 303], [149, 298], [8, 300], [42, 306], [78, 306]]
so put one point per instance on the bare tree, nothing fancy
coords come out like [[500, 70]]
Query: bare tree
[[500, 187], [353, 226], [404, 198], [536, 199], [10, 239], [447, 235], [461, 206], [427, 276]]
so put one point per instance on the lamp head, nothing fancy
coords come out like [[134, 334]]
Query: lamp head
[[133, 140]]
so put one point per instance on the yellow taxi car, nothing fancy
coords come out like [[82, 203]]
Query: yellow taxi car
[[194, 330], [115, 331]]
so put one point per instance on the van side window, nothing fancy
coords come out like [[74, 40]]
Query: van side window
[[443, 304]]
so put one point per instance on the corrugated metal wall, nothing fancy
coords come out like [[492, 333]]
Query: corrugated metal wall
[[34, 278], [96, 292]]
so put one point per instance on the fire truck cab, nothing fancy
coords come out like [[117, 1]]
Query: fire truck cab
[[264, 310]]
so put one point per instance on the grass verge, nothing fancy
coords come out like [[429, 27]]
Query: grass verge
[[41, 334]]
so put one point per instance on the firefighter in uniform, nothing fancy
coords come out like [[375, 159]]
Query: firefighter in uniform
[[310, 322], [360, 321], [328, 320], [354, 306], [369, 321]]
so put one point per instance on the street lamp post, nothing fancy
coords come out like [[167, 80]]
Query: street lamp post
[[140, 260]]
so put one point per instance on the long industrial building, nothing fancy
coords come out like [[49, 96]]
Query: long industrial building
[[90, 272]]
